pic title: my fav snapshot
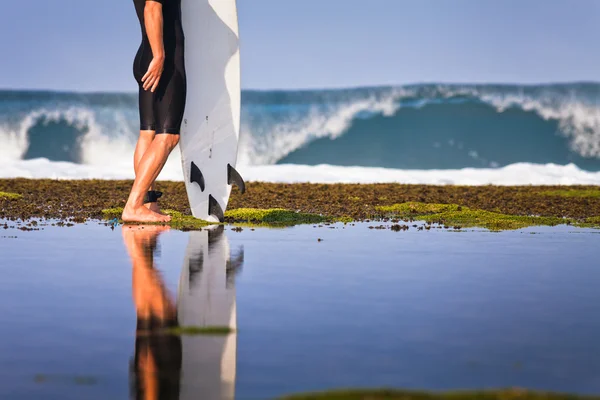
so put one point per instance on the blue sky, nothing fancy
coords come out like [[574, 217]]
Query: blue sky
[[89, 45]]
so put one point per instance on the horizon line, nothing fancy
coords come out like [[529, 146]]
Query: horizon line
[[321, 88]]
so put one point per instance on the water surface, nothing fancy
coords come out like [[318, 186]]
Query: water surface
[[360, 308]]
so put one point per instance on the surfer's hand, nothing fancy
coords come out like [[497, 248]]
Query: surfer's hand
[[152, 76]]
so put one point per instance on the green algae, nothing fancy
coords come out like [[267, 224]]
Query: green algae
[[491, 220], [200, 330], [185, 222], [411, 208], [276, 216], [178, 219], [110, 213], [85, 199], [250, 216], [392, 394], [10, 196], [344, 219], [459, 216], [593, 193], [592, 222]]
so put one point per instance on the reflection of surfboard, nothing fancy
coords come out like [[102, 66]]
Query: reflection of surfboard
[[206, 297], [211, 122]]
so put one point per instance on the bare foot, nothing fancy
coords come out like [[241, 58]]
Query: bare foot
[[154, 207], [142, 214]]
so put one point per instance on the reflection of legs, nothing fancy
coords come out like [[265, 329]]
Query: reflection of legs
[[148, 374], [157, 360], [149, 292], [148, 169], [144, 142]]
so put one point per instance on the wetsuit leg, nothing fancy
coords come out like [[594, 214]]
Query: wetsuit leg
[[145, 97], [162, 111], [169, 99]]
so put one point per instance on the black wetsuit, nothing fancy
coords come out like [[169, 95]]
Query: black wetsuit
[[162, 111]]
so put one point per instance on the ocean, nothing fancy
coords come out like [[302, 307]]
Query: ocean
[[428, 133]]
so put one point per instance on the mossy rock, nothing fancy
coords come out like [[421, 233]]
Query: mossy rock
[[456, 215], [592, 222], [491, 220], [275, 216], [178, 221], [572, 192], [85, 199], [10, 196], [412, 208], [251, 216], [391, 394], [272, 217]]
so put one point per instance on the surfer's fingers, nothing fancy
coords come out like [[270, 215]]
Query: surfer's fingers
[[155, 85], [148, 82], [155, 80]]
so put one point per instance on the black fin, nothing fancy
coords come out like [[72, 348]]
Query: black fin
[[196, 176], [234, 177], [215, 209]]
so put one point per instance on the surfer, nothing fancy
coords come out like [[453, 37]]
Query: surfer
[[160, 73]]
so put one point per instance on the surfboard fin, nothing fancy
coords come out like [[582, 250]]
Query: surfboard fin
[[234, 178], [196, 176], [215, 209]]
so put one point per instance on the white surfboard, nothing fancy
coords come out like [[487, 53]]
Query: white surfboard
[[206, 297], [211, 121]]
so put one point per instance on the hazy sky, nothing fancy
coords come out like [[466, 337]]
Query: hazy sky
[[90, 45]]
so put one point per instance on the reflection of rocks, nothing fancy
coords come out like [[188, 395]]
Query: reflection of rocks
[[206, 298], [83, 199]]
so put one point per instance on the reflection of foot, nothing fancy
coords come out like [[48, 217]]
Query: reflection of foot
[[142, 214], [145, 230], [141, 240], [154, 207]]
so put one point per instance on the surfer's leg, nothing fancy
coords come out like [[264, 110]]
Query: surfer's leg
[[144, 141], [147, 131], [149, 168]]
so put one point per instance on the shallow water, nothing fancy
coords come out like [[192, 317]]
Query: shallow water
[[361, 308]]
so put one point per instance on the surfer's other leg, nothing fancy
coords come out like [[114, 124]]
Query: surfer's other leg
[[144, 141], [149, 168]]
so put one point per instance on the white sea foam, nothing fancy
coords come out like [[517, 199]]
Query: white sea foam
[[515, 174], [578, 121], [110, 138]]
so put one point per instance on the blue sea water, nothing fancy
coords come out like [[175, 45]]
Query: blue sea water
[[408, 128]]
